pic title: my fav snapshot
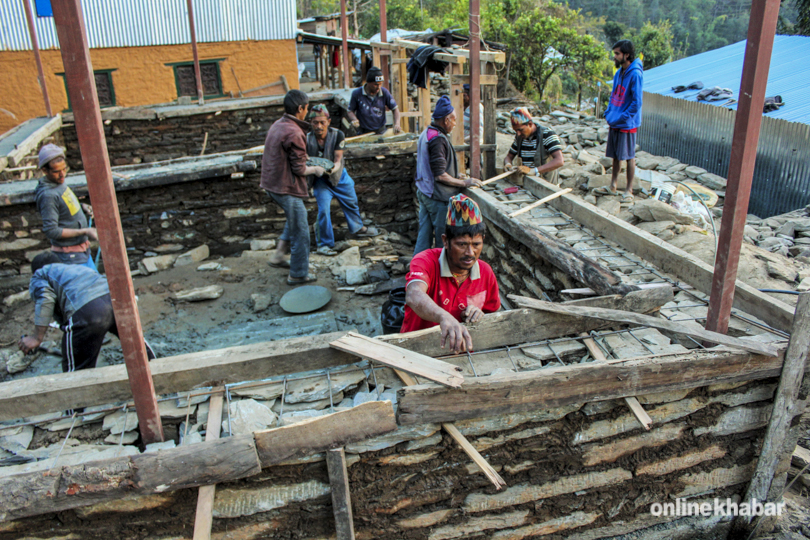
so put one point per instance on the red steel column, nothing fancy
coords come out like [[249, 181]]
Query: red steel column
[[200, 94], [90, 131], [758, 48], [35, 44], [344, 31], [384, 39], [475, 89]]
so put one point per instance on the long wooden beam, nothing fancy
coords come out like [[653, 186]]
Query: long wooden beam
[[201, 464], [580, 383], [558, 253], [667, 257], [204, 517], [57, 392], [635, 319]]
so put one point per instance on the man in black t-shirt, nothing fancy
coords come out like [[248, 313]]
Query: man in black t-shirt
[[534, 144], [368, 104]]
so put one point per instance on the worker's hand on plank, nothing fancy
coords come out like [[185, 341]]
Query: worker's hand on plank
[[523, 169], [473, 314], [455, 335], [397, 129], [473, 182], [508, 167]]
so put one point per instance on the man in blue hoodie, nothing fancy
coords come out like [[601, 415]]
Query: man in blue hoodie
[[623, 115]]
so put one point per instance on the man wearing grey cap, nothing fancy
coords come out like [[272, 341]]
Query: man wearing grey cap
[[63, 218]]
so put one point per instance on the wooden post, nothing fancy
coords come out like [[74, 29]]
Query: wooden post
[[200, 93], [32, 32], [205, 495], [81, 85], [457, 99], [384, 38], [333, 71], [344, 32], [475, 90], [490, 99], [424, 106], [748, 119], [341, 496], [403, 98], [786, 406]]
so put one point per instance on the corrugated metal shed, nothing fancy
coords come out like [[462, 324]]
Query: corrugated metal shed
[[789, 75], [137, 23]]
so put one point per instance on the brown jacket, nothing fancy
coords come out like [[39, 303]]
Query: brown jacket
[[285, 157]]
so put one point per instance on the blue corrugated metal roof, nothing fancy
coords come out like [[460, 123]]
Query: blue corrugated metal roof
[[134, 23], [788, 76]]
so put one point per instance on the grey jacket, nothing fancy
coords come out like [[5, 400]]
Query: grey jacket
[[60, 209], [60, 290]]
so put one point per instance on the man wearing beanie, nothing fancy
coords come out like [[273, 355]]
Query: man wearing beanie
[[327, 142], [437, 175], [368, 103], [63, 218], [535, 144], [448, 286], [284, 172]]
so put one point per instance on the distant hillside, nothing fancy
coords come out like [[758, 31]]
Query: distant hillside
[[697, 25]]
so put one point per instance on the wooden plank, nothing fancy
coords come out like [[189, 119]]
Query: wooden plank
[[485, 56], [37, 395], [462, 441], [558, 253], [486, 80], [341, 495], [786, 406], [31, 143], [489, 96], [667, 257], [457, 100], [636, 408], [542, 201], [323, 433], [72, 486], [646, 320], [499, 177], [204, 517], [580, 383], [399, 358]]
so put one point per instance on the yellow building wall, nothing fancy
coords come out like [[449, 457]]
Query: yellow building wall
[[141, 76]]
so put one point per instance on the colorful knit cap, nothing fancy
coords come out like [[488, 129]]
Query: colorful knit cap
[[463, 212], [318, 110], [520, 115]]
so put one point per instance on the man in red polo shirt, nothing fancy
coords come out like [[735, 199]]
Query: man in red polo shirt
[[448, 286]]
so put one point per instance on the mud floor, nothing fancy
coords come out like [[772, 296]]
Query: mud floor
[[181, 327]]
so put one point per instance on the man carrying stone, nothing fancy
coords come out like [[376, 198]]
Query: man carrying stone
[[451, 285], [437, 175], [533, 144], [63, 218], [284, 172], [78, 299], [368, 104], [623, 115], [327, 142]]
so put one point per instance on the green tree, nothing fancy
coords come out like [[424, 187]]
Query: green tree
[[654, 41], [802, 25], [614, 31]]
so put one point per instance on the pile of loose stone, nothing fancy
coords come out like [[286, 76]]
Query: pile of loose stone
[[787, 234]]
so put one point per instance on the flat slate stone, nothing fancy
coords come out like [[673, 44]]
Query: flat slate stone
[[305, 299]]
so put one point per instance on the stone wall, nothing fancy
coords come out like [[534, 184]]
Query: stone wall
[[218, 205], [519, 270], [584, 471], [175, 132]]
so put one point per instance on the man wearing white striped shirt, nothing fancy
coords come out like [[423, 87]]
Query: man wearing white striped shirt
[[539, 148]]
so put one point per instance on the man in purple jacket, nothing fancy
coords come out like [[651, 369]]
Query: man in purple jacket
[[284, 172], [623, 115]]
